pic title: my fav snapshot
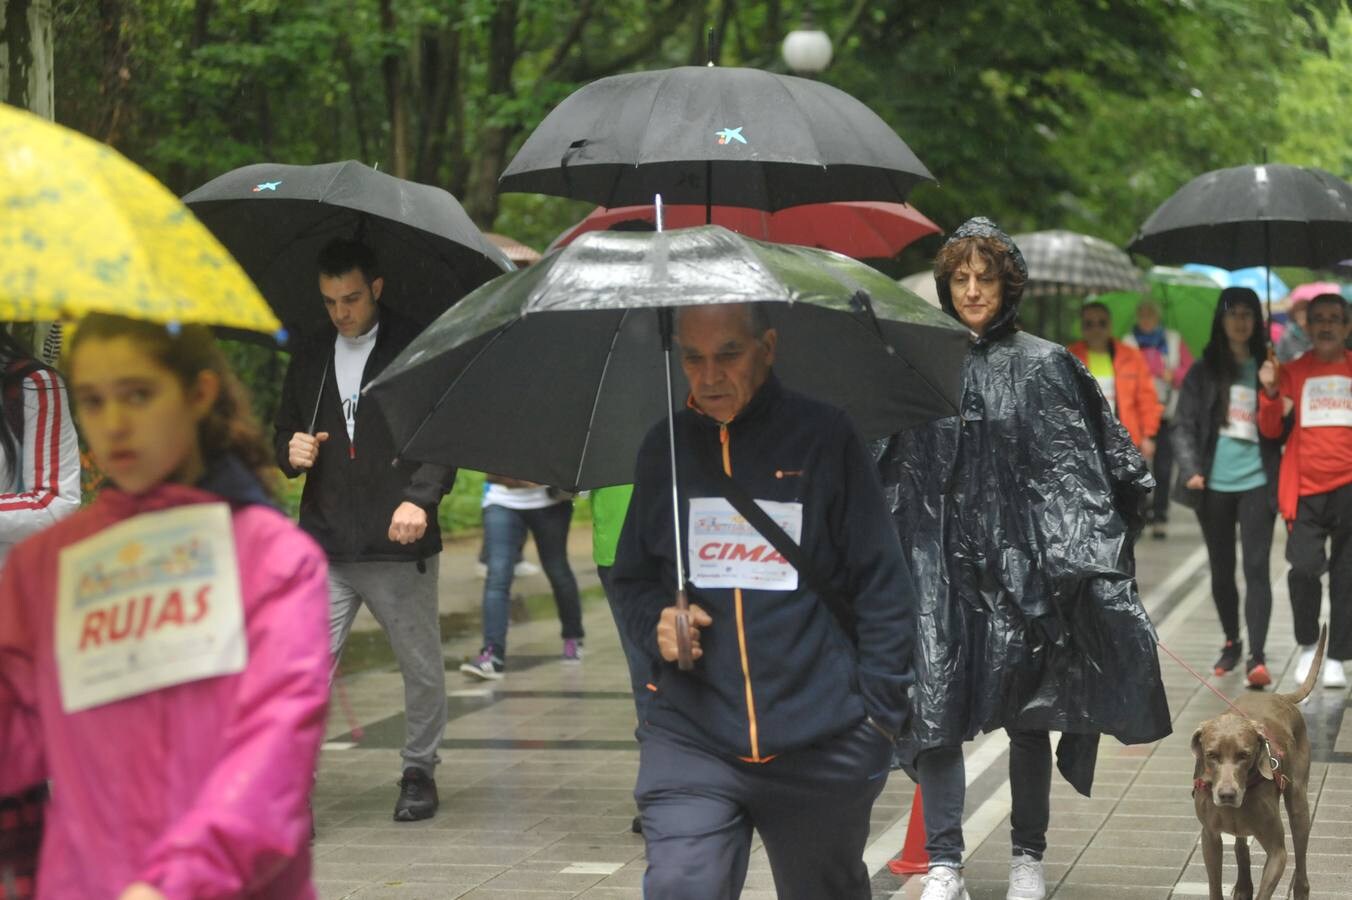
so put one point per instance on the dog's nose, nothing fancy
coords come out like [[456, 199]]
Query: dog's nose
[[1227, 795]]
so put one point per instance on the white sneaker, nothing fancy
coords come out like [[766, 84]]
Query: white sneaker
[[525, 569], [1303, 664], [1334, 676], [481, 570], [1026, 879], [943, 883]]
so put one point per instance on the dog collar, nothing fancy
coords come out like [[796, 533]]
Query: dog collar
[[1274, 755]]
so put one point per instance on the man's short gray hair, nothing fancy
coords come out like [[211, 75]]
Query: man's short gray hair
[[758, 317]]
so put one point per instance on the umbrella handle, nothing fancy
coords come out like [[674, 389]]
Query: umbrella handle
[[685, 659]]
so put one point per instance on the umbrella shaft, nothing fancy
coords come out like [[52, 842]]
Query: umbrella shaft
[[675, 493]]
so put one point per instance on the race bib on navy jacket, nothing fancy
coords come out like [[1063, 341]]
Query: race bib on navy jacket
[[778, 671]]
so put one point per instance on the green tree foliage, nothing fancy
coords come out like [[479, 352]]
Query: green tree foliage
[[1313, 101]]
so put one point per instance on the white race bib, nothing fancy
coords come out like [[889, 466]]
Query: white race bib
[[726, 552], [1108, 384], [149, 603], [1243, 417], [1326, 402]]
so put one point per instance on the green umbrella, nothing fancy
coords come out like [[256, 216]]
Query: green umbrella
[[1187, 304]]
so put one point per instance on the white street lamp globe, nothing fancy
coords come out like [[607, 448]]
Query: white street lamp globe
[[807, 50]]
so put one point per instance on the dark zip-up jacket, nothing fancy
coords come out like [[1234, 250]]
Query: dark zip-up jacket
[[778, 671], [352, 490], [1195, 433]]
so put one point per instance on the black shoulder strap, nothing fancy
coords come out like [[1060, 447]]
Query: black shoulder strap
[[750, 510]]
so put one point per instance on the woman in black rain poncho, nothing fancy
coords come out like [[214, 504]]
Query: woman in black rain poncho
[[1018, 516]]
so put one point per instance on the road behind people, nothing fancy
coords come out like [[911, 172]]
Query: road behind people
[[781, 727]]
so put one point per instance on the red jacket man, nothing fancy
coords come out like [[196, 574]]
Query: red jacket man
[[1314, 489]]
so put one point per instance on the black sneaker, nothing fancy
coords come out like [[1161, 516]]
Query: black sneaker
[[1229, 658], [636, 826], [417, 796]]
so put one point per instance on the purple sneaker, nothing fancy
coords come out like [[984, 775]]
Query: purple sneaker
[[572, 650], [487, 666]]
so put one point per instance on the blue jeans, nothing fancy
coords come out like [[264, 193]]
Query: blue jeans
[[504, 530]]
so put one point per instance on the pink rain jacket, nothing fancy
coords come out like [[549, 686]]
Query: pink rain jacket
[[199, 789]]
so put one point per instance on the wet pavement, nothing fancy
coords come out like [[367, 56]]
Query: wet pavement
[[537, 770]]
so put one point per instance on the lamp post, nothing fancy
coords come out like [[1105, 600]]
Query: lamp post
[[807, 49]]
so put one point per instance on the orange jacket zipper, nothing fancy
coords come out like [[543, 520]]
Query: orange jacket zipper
[[752, 727]]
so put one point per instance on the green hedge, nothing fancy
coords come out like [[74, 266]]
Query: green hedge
[[459, 514]]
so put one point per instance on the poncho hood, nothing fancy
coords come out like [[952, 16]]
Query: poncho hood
[[1007, 320]]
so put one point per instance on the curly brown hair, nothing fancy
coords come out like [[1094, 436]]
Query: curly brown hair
[[230, 426], [993, 251]]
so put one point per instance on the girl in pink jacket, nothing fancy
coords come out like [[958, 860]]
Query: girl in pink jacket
[[163, 652]]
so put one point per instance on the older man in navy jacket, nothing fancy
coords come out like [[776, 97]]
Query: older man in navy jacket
[[786, 722]]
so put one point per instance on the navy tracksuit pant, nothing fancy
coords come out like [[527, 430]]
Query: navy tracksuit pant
[[811, 807]]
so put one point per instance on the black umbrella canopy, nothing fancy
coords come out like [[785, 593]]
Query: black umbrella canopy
[[274, 219], [555, 373], [1271, 214], [709, 134]]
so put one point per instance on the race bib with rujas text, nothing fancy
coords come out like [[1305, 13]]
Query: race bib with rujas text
[[726, 552], [1326, 402], [150, 603]]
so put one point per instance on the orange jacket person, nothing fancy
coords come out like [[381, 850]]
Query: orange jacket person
[[1122, 374]]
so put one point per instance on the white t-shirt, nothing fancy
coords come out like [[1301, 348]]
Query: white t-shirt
[[518, 498], [349, 361]]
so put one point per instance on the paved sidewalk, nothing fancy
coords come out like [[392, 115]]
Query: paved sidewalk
[[538, 771]]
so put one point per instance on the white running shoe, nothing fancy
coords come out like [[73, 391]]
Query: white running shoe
[[943, 883], [1303, 664], [525, 569], [1026, 879], [1334, 676]]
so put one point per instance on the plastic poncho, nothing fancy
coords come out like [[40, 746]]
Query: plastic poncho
[[1019, 516]]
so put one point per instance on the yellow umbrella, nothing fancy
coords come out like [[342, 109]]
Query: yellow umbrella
[[84, 230]]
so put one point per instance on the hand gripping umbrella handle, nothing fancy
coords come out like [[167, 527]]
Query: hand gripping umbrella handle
[[685, 659]]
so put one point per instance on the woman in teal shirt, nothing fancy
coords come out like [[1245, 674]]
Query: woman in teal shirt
[[1227, 472]]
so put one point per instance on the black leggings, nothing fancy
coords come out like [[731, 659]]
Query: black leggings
[[1252, 511]]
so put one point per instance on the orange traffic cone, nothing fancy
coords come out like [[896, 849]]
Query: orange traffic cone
[[912, 860]]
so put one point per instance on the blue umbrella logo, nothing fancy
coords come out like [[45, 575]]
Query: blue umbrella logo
[[728, 135]]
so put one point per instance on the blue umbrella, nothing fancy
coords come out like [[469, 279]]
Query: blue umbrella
[[1262, 281]]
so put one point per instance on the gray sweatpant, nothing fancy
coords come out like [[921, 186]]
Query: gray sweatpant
[[404, 602]]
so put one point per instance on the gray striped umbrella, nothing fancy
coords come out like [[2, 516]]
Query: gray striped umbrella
[[1069, 264]]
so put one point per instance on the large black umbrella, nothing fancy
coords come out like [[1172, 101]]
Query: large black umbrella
[[1270, 214], [555, 373], [714, 135], [275, 218]]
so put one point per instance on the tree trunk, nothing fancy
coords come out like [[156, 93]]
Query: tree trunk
[[441, 86], [481, 200], [26, 56], [396, 98], [180, 179]]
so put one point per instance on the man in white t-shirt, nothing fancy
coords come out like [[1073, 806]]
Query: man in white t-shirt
[[376, 521]]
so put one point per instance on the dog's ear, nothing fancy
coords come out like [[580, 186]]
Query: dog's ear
[[1199, 768], [1262, 754]]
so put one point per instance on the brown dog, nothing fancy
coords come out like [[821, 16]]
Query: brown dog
[[1245, 765]]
